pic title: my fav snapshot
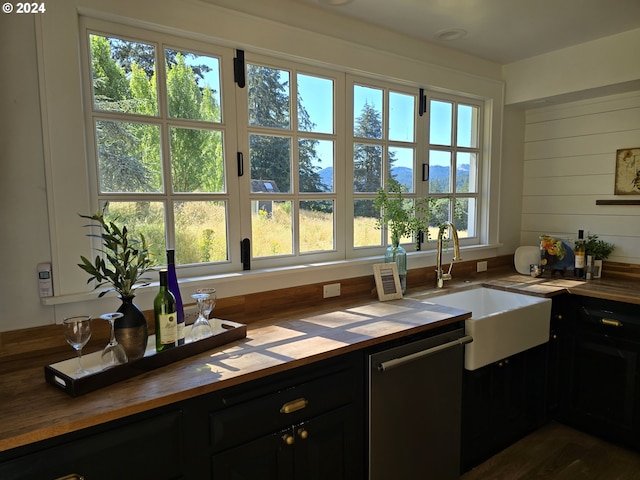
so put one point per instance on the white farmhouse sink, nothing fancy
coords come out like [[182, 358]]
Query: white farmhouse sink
[[501, 323]]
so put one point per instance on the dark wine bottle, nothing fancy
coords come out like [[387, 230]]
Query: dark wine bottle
[[175, 289], [579, 251], [164, 310]]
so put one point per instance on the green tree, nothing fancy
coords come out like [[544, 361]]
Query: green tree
[[269, 106], [121, 164], [110, 83], [129, 152], [367, 158]]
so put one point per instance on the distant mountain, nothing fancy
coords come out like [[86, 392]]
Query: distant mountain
[[326, 177], [404, 174]]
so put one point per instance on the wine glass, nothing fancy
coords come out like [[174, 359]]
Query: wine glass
[[77, 331], [201, 328], [113, 354], [210, 302]]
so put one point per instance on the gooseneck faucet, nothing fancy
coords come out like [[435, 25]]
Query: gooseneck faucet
[[440, 275]]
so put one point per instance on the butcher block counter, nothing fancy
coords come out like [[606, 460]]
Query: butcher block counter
[[33, 410]]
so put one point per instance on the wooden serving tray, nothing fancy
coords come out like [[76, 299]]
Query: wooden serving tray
[[63, 376]]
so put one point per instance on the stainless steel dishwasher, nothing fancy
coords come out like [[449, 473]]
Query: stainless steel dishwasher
[[415, 393]]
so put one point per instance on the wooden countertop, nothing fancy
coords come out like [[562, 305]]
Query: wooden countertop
[[32, 410], [617, 289]]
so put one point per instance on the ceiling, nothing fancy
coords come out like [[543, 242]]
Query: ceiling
[[502, 31]]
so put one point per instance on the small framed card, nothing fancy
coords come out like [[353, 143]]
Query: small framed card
[[387, 281]]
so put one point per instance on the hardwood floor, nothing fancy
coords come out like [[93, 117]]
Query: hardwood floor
[[558, 452]]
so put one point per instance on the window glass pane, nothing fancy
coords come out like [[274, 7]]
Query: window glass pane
[[201, 233], [193, 86], [272, 228], [316, 225], [401, 166], [401, 117], [315, 104], [315, 165], [439, 171], [367, 167], [365, 232], [128, 157], [440, 123], [123, 75], [467, 126], [466, 172], [197, 163], [465, 218], [269, 97], [141, 218], [438, 214], [367, 112], [270, 160]]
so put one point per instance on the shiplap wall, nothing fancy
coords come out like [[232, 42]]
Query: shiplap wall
[[569, 163]]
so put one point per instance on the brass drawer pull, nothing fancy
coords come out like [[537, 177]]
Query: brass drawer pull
[[294, 405], [610, 322]]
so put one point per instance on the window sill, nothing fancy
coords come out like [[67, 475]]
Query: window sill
[[254, 281]]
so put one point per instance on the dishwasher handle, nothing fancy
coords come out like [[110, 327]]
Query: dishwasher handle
[[396, 362]]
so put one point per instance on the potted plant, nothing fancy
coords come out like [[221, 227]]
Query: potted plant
[[398, 214], [599, 250], [123, 262]]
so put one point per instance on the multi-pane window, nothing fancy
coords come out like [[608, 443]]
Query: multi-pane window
[[454, 152], [157, 120], [292, 161], [384, 151], [291, 131]]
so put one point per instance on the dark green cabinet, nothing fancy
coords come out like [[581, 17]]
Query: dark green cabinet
[[601, 378], [501, 403], [151, 446], [305, 426], [320, 448], [559, 354]]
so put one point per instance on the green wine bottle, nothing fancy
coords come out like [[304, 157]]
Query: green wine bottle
[[164, 309]]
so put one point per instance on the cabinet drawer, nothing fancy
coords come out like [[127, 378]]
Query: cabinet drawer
[[275, 411]]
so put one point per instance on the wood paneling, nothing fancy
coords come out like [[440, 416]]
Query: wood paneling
[[569, 164]]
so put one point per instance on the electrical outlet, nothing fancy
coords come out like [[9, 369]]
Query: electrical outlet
[[190, 314], [331, 290], [481, 266]]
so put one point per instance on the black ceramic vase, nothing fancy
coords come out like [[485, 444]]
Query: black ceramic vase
[[131, 330]]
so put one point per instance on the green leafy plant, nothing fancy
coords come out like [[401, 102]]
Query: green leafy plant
[[599, 249], [403, 217], [397, 213], [124, 259]]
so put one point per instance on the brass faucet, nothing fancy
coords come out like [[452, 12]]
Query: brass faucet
[[440, 275]]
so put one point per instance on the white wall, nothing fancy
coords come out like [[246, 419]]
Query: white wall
[[24, 230], [569, 163], [601, 67]]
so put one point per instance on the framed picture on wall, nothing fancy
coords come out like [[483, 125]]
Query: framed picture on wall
[[627, 171], [387, 281]]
